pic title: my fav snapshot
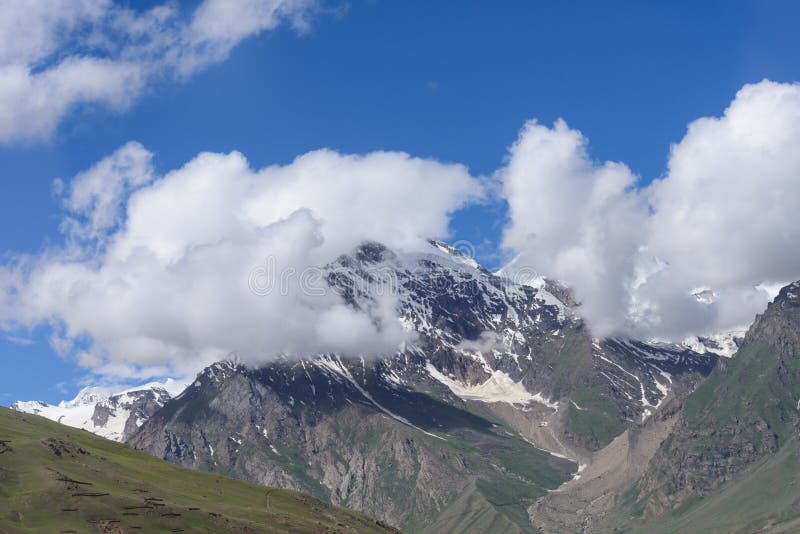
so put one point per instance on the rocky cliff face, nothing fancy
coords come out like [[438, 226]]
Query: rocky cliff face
[[442, 428], [747, 410], [342, 432]]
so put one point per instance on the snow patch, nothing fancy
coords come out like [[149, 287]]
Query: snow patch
[[577, 475], [499, 387], [722, 344], [456, 255], [577, 407]]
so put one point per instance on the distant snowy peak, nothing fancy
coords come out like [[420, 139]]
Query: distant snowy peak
[[723, 344], [100, 410], [89, 395]]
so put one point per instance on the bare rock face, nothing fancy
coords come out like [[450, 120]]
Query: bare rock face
[[359, 443], [443, 428]]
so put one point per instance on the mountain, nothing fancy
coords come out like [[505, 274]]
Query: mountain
[[722, 344], [725, 458], [341, 433], [744, 419], [57, 479], [501, 395], [99, 410]]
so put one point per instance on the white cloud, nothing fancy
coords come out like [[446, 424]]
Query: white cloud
[[32, 30], [732, 191], [97, 194], [156, 273], [56, 55], [225, 22], [724, 217], [573, 219]]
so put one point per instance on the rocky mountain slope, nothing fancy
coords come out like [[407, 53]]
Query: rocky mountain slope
[[746, 412], [343, 434], [54, 478], [724, 459], [113, 415], [451, 431]]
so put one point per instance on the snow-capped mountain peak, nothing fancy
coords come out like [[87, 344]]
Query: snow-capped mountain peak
[[106, 411], [90, 395], [722, 344]]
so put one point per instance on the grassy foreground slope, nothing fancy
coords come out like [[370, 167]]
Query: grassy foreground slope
[[764, 498], [54, 478]]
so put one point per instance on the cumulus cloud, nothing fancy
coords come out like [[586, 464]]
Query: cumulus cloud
[[95, 196], [722, 219], [731, 194], [56, 55], [157, 273], [573, 219]]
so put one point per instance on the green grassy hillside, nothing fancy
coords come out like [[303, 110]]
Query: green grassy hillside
[[54, 478], [732, 462], [765, 497]]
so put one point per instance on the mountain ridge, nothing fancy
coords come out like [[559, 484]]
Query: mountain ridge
[[724, 458], [313, 423], [433, 435]]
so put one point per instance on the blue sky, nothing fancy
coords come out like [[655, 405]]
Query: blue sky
[[429, 78]]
